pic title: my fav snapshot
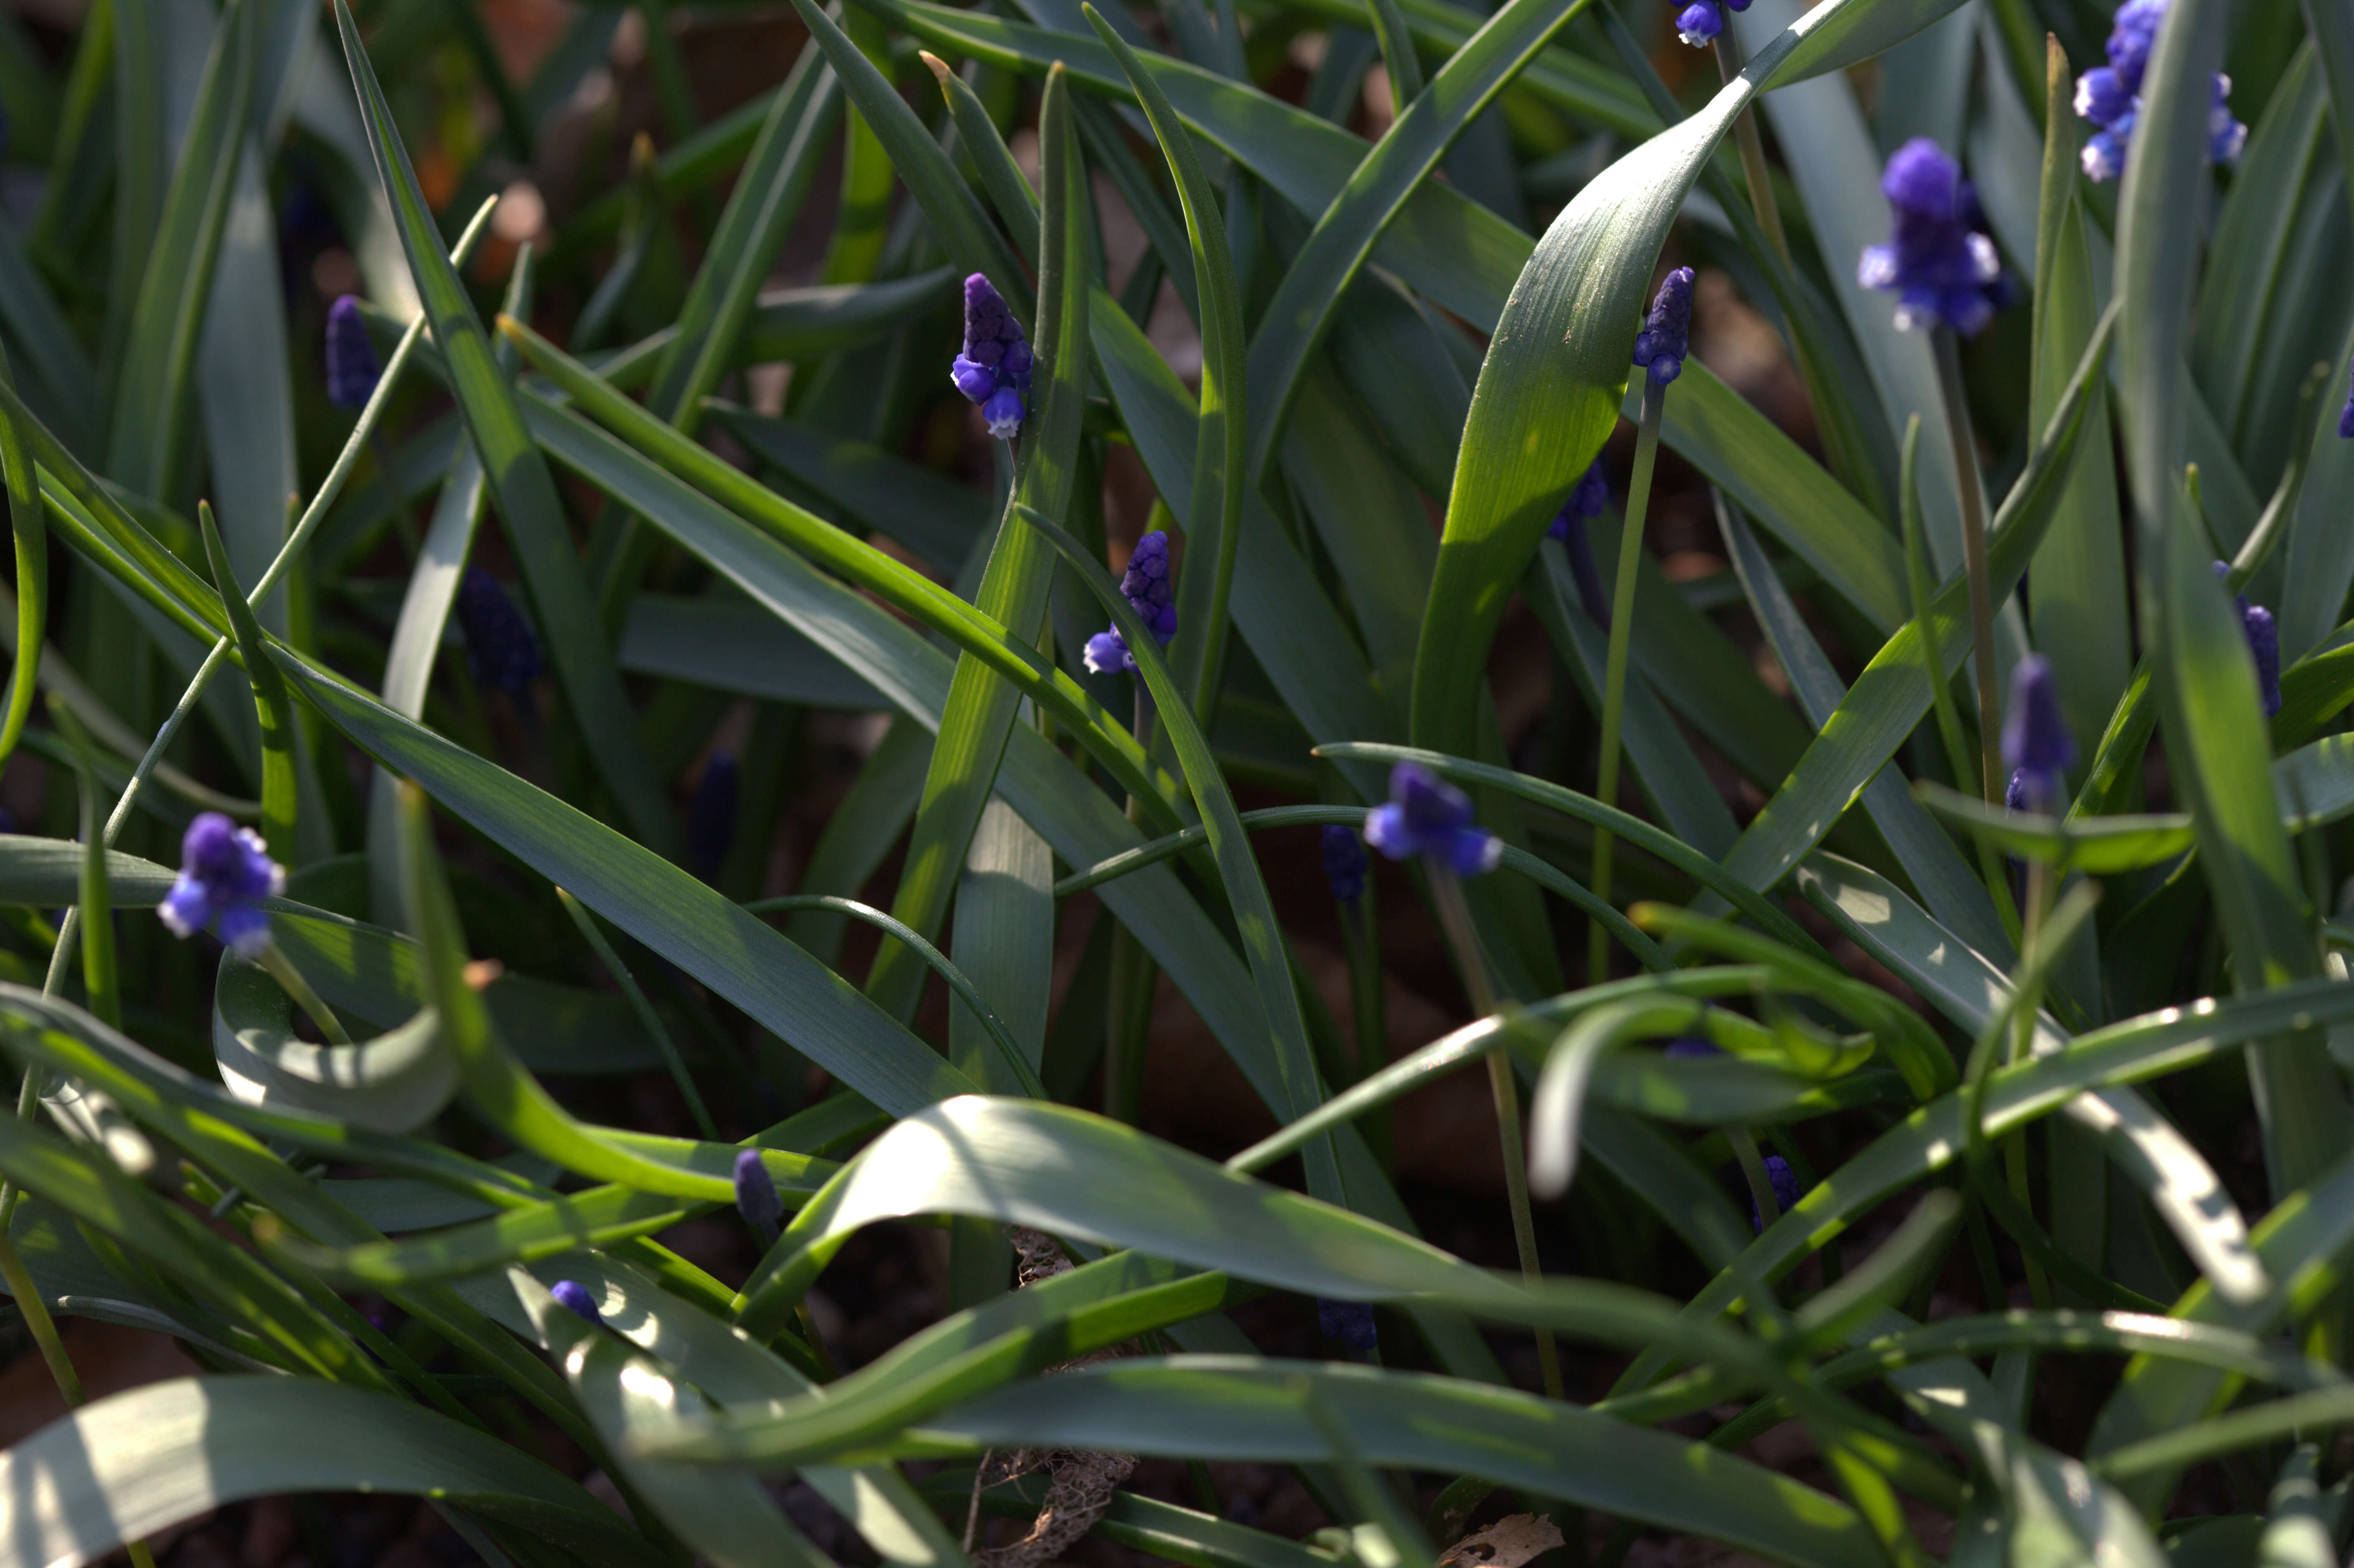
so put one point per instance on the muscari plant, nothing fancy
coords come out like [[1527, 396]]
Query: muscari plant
[[1937, 856]]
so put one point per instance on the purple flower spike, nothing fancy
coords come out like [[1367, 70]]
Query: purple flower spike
[[502, 649], [573, 1296], [756, 1195], [1424, 815], [353, 368], [2257, 626], [994, 368], [1344, 862], [1588, 500], [2036, 744], [2264, 644], [1151, 592], [1351, 1322], [1665, 341], [1943, 272], [2346, 415], [1699, 23], [2108, 97], [1785, 1183], [225, 873], [711, 817]]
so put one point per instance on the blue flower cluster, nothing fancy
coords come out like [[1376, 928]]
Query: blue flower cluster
[[574, 1298], [1699, 23], [994, 368], [2109, 96], [2346, 415], [2036, 744], [1351, 1322], [1785, 1181], [225, 874], [1587, 501], [1426, 815], [353, 368], [1344, 862], [1152, 593], [1665, 342], [502, 649], [711, 815], [756, 1195], [2257, 626], [1938, 261]]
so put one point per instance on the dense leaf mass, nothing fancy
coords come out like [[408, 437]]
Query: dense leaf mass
[[1764, 629]]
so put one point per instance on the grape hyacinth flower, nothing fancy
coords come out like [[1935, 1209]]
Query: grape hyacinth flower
[[1785, 1191], [1665, 342], [502, 649], [225, 874], [2257, 626], [1344, 862], [1586, 500], [1151, 593], [1426, 815], [756, 1195], [711, 817], [2110, 96], [2346, 416], [1351, 1322], [1699, 23], [993, 371], [1943, 272], [573, 1296], [353, 368], [2036, 744]]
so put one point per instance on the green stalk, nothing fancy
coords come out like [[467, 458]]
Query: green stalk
[[32, 537], [1752, 150], [1360, 935], [97, 967], [602, 945], [1753, 1173], [315, 514], [1992, 865], [1613, 679], [290, 980], [1128, 1004], [1974, 557], [1455, 919], [2014, 1144]]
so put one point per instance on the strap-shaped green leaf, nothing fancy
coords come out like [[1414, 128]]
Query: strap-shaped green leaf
[[519, 482], [1889, 699], [270, 699], [783, 989], [1295, 321], [1246, 892], [152, 399], [1551, 387], [2214, 729], [1214, 522], [1014, 586]]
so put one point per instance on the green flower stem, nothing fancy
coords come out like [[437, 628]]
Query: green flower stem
[[598, 941], [1455, 919], [1753, 1171], [290, 980], [1361, 936], [1752, 150], [1127, 1009], [2022, 1036], [313, 515], [1614, 680], [1974, 558]]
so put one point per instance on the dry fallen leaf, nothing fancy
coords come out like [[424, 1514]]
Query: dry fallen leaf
[[1507, 1543]]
